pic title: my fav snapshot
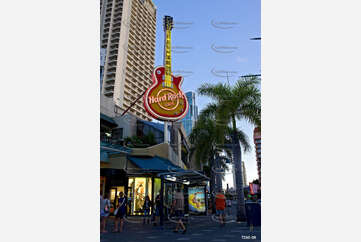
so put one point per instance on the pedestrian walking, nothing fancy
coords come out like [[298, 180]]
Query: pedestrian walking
[[146, 208], [220, 206], [157, 210], [120, 212], [229, 206], [178, 205], [104, 212]]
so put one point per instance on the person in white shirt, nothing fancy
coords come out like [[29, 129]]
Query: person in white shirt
[[104, 212], [178, 205]]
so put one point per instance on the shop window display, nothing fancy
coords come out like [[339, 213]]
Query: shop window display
[[157, 184], [139, 188]]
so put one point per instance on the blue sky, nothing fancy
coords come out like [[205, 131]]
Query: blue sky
[[227, 26]]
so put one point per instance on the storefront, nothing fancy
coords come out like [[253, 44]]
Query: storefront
[[138, 188], [151, 176], [112, 182], [113, 178], [158, 176]]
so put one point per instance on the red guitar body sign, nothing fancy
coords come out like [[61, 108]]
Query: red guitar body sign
[[165, 103], [165, 100]]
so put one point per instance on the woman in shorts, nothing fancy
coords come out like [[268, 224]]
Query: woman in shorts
[[104, 212], [121, 210]]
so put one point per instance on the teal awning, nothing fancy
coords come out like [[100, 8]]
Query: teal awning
[[165, 168], [155, 163]]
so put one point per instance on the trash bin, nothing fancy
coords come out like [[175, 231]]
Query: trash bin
[[253, 213]]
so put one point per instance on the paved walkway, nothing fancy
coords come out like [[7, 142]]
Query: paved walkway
[[201, 228]]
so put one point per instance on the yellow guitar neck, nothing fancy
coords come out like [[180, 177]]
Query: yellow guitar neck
[[167, 58]]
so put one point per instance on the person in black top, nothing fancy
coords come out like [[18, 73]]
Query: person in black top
[[121, 211], [157, 209], [146, 208]]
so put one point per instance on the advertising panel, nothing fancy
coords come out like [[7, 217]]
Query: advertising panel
[[253, 188], [196, 199]]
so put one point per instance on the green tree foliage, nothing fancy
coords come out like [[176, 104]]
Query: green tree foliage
[[241, 101], [140, 141]]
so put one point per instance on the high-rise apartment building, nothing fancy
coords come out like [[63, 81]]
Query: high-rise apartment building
[[244, 174], [127, 33], [257, 143], [190, 119]]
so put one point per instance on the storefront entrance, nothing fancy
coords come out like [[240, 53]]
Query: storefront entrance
[[114, 194]]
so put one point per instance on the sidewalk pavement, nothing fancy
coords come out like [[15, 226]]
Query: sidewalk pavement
[[200, 228]]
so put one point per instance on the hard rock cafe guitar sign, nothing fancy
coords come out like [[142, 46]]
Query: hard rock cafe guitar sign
[[164, 100]]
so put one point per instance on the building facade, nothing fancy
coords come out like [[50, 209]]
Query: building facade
[[190, 119], [127, 33], [115, 131], [143, 171], [244, 174], [257, 143]]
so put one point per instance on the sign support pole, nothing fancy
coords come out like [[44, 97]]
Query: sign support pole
[[166, 132]]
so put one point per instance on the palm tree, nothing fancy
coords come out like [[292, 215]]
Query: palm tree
[[209, 140], [204, 141], [241, 101]]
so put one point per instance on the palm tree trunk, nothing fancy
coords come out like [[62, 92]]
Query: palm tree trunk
[[237, 156], [218, 174], [212, 187]]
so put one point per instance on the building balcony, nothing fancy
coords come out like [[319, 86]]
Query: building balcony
[[115, 40], [109, 87], [113, 53], [111, 74], [118, 6], [118, 10], [118, 19], [112, 70], [115, 34], [109, 93], [110, 80], [117, 15], [116, 30], [112, 62], [116, 25], [114, 47]]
